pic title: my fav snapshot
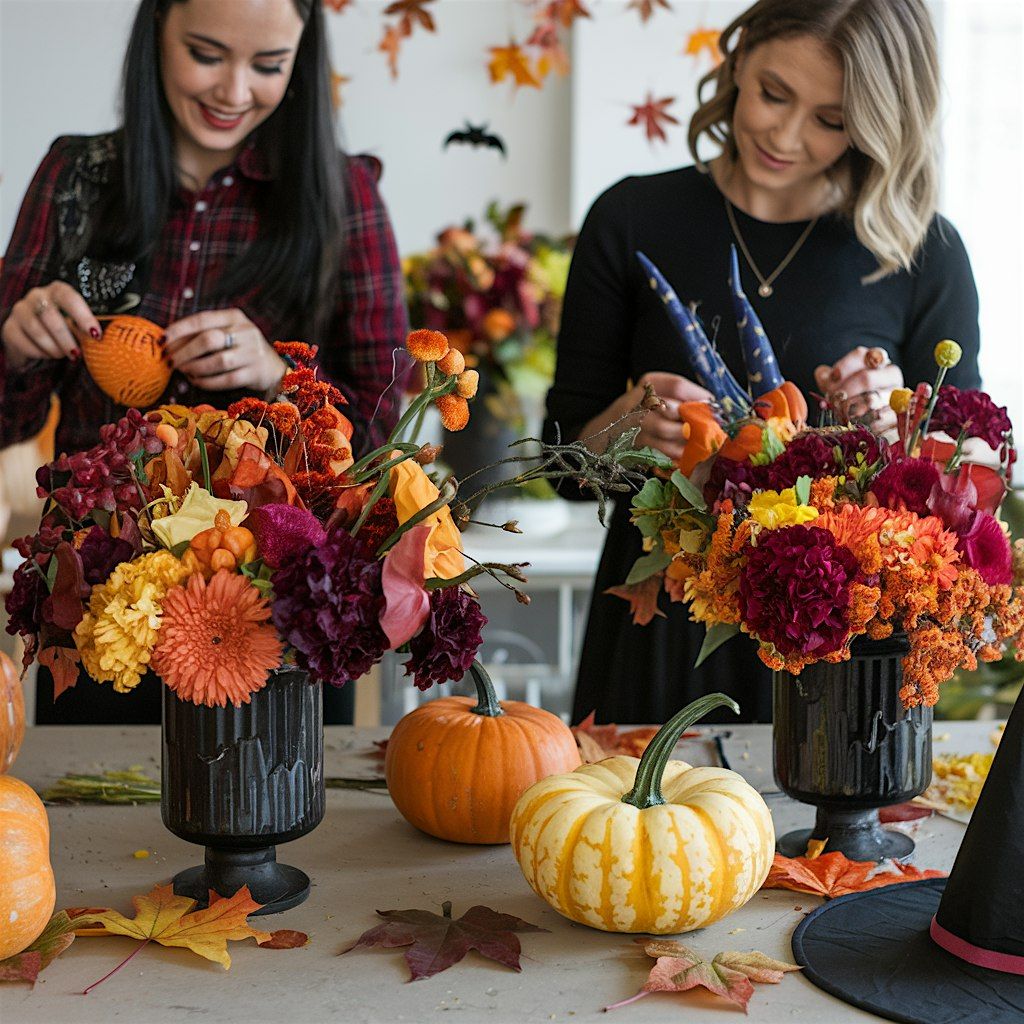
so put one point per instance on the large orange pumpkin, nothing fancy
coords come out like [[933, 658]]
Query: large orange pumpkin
[[127, 362], [27, 890], [12, 713], [455, 769]]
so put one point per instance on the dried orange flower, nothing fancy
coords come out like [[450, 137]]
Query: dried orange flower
[[454, 411], [452, 362], [468, 382]]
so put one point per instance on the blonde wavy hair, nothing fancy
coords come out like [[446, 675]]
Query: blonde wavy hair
[[889, 177]]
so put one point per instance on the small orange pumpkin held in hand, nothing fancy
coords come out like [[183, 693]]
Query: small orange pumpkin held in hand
[[222, 546], [127, 362], [455, 769], [12, 713], [27, 889]]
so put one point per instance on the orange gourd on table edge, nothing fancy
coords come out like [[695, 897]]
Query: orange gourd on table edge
[[455, 769], [27, 889]]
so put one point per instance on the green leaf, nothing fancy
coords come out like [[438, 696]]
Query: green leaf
[[770, 444], [803, 490], [26, 965], [689, 492], [652, 495], [648, 565], [715, 636], [649, 526], [650, 457]]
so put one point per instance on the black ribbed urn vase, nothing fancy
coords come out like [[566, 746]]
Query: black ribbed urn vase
[[844, 743], [241, 781]]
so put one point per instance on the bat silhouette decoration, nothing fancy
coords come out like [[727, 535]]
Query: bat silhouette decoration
[[475, 136]]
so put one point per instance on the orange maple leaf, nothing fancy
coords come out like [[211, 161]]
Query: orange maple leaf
[[553, 56], [596, 742], [642, 596], [390, 44], [652, 114], [510, 60], [337, 81], [833, 874], [645, 8], [63, 665], [338, 6], [564, 11], [412, 12], [704, 39]]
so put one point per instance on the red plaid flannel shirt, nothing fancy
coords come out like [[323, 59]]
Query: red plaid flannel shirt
[[203, 233]]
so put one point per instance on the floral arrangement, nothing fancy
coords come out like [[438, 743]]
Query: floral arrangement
[[806, 539], [212, 547], [498, 301]]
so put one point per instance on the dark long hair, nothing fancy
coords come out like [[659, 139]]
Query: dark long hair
[[295, 259]]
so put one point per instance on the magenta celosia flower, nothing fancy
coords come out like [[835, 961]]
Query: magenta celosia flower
[[906, 485], [972, 412], [986, 548], [447, 644], [794, 590], [328, 604], [283, 532]]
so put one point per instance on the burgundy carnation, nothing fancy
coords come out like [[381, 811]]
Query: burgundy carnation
[[986, 548], [814, 455], [972, 412], [328, 603], [795, 590], [101, 554], [447, 644], [735, 479], [906, 484]]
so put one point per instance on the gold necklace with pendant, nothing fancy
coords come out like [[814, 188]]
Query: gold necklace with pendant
[[765, 283]]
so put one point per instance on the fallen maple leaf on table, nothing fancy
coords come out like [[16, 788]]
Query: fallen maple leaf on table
[[510, 60], [596, 742], [833, 874], [437, 942], [729, 975], [26, 965], [645, 8]]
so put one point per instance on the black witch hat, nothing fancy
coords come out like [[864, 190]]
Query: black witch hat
[[942, 950]]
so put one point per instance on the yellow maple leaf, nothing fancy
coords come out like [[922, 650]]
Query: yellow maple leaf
[[704, 39], [161, 916], [337, 82], [510, 60]]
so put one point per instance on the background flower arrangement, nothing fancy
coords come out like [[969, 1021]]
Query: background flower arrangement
[[498, 300], [806, 539]]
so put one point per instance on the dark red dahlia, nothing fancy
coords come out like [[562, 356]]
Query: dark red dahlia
[[795, 590], [735, 479], [906, 484], [971, 412], [447, 644]]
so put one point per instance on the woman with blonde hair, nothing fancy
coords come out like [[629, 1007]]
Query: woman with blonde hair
[[824, 116]]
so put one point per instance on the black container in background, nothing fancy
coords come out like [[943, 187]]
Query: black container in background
[[241, 781], [843, 742]]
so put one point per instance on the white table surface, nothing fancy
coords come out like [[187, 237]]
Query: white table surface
[[365, 857]]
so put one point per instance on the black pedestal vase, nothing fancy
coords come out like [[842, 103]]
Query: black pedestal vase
[[844, 743], [240, 781]]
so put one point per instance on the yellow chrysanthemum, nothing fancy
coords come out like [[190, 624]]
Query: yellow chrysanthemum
[[117, 635], [773, 509]]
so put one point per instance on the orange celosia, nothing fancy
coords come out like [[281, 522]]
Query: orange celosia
[[454, 410], [298, 351], [823, 493], [703, 435], [426, 346], [214, 644]]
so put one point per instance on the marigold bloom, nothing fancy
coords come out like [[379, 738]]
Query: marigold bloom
[[117, 634], [773, 509], [453, 362], [467, 384], [215, 644], [426, 346], [454, 410]]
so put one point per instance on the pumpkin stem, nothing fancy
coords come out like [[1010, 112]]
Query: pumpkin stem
[[646, 791], [487, 700]]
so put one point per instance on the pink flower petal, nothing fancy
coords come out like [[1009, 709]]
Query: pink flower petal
[[407, 604]]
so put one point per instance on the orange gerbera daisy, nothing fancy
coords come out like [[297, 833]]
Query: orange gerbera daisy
[[215, 644]]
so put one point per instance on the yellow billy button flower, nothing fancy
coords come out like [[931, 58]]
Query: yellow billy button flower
[[773, 509], [427, 346], [899, 400], [948, 354]]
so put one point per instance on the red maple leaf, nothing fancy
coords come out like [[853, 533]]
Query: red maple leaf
[[652, 114], [833, 874], [437, 942], [412, 13], [553, 56], [645, 8]]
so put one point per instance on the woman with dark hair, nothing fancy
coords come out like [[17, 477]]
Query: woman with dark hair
[[825, 179], [222, 209]]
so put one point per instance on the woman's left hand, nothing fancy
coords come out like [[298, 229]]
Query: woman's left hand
[[858, 387], [222, 349]]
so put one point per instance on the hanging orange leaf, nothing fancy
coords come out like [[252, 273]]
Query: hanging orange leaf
[[653, 114], [337, 81], [642, 598], [645, 8], [564, 11], [411, 13], [553, 56], [510, 60], [339, 6], [704, 39], [833, 874], [729, 975], [390, 44]]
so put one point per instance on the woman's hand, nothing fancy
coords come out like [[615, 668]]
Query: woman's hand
[[222, 349], [36, 328], [858, 387]]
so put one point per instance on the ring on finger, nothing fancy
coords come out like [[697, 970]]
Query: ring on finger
[[229, 340], [42, 306]]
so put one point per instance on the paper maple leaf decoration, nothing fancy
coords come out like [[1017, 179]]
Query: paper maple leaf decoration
[[645, 8], [511, 60], [729, 975], [338, 6], [553, 56], [390, 44], [563, 11], [652, 114], [411, 13], [436, 942], [832, 874], [337, 83], [704, 39], [643, 596], [26, 965]]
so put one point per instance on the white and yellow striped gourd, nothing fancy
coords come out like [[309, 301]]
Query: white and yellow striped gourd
[[647, 845]]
